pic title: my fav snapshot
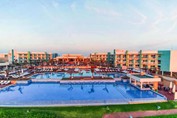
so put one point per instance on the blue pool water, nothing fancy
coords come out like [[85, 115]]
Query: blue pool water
[[57, 94], [116, 75], [63, 75], [48, 76]]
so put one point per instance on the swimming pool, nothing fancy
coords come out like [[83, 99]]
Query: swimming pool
[[48, 76], [55, 75], [116, 75], [42, 94]]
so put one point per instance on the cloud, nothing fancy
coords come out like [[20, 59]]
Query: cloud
[[157, 21], [163, 18], [101, 11], [55, 4], [47, 11], [173, 19], [137, 14], [164, 22], [73, 6], [159, 16]]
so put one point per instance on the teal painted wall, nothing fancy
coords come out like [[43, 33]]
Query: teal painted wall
[[108, 57], [114, 58], [165, 60], [29, 57], [12, 56], [46, 56], [140, 59]]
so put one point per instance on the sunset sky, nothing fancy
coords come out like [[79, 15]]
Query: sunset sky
[[84, 26]]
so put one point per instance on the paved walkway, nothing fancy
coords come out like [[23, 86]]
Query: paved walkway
[[2, 86], [140, 114], [170, 96]]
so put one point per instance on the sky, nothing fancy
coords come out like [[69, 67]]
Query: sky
[[85, 26]]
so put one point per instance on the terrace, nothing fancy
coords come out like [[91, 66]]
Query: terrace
[[144, 81]]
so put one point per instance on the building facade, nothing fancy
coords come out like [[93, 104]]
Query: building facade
[[128, 59], [136, 59], [162, 60], [98, 57], [3, 58], [110, 59], [26, 57], [167, 61], [76, 59]]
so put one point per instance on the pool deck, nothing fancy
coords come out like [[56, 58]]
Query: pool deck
[[2, 86], [170, 96], [5, 86], [45, 80], [83, 103], [73, 81]]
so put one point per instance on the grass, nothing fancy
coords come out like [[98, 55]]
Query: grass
[[79, 112]]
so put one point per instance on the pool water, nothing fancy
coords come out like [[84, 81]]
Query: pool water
[[48, 76], [64, 75], [58, 94]]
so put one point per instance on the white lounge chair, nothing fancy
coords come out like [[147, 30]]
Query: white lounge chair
[[7, 82], [1, 82], [4, 83]]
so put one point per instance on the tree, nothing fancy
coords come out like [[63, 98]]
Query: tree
[[92, 70], [70, 71], [51, 62]]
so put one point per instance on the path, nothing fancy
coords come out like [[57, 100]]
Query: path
[[139, 114]]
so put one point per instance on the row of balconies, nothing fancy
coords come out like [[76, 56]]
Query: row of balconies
[[35, 55], [147, 63], [134, 58], [137, 66], [32, 54], [33, 58]]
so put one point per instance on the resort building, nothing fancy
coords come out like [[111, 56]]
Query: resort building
[[98, 57], [3, 58], [163, 60], [110, 59], [128, 59], [136, 59], [26, 57], [72, 59], [167, 61]]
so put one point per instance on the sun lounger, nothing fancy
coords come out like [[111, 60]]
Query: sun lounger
[[8, 82], [5, 83], [1, 82]]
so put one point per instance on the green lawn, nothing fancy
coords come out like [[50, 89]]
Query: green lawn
[[79, 112]]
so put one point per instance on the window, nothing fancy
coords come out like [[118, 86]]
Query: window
[[159, 61], [152, 60]]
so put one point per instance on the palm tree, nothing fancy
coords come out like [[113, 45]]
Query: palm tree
[[7, 73], [51, 62], [70, 71], [156, 70], [18, 73], [92, 70]]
